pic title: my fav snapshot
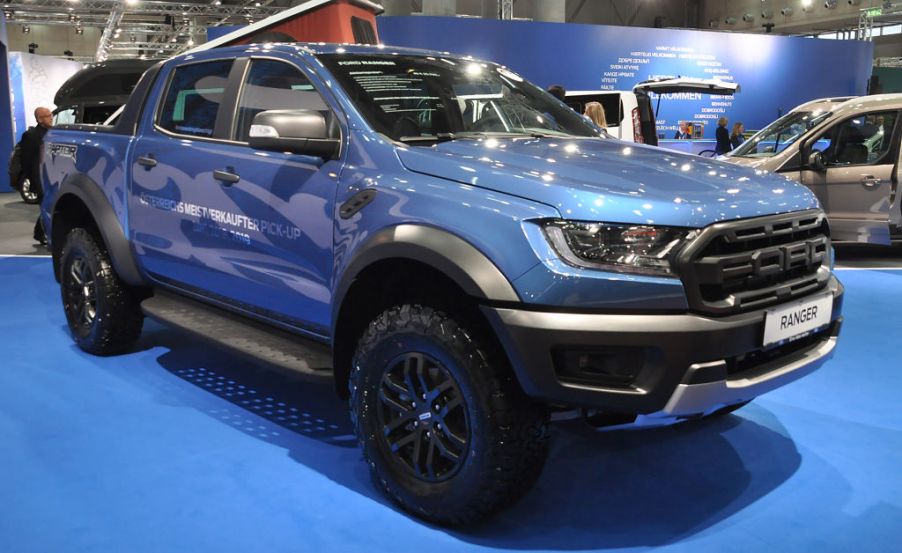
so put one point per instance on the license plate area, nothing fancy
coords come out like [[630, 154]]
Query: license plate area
[[797, 319]]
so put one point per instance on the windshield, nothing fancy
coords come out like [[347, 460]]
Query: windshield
[[777, 136], [426, 99]]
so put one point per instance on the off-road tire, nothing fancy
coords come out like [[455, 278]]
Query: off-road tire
[[117, 319], [507, 435]]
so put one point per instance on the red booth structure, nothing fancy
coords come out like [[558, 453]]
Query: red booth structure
[[341, 21]]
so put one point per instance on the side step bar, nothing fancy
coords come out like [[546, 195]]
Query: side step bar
[[255, 341]]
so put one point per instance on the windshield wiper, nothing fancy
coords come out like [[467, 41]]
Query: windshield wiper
[[470, 135], [438, 137]]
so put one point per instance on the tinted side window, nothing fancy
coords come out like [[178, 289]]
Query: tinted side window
[[861, 140], [273, 85], [193, 98], [363, 31], [96, 115]]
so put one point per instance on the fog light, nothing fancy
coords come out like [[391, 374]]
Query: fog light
[[615, 367]]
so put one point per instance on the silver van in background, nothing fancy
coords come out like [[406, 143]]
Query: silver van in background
[[847, 151]]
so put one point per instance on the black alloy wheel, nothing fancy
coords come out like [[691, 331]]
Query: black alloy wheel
[[80, 295], [446, 430], [424, 420]]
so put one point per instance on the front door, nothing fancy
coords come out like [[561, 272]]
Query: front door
[[861, 155]]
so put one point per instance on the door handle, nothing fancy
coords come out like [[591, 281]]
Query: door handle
[[869, 181], [226, 177], [147, 161]]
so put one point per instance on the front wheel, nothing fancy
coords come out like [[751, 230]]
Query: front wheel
[[444, 427], [104, 315]]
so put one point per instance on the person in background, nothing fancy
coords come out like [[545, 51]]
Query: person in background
[[684, 132], [736, 136], [557, 91], [723, 136], [595, 113], [32, 149]]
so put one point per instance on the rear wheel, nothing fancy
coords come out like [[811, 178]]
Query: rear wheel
[[103, 314], [444, 427], [28, 193]]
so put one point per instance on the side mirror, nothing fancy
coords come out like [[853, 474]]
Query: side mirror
[[299, 131], [816, 162]]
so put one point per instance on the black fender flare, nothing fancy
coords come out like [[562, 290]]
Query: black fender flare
[[117, 244], [478, 276]]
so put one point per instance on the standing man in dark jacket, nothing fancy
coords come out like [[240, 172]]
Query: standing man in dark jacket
[[32, 149]]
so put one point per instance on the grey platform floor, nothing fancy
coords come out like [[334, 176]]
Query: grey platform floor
[[17, 226]]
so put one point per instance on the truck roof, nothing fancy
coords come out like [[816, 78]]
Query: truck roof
[[317, 48]]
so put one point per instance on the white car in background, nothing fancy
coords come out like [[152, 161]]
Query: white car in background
[[630, 114]]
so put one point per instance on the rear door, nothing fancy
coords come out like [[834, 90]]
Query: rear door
[[861, 155]]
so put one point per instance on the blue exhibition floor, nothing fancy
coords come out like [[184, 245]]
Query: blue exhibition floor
[[177, 447]]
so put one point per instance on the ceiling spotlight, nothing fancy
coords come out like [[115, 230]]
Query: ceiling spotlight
[[133, 38], [26, 29], [806, 5], [830, 4], [8, 14], [730, 20], [786, 12], [174, 40], [132, 2], [748, 18], [217, 3], [767, 14], [79, 31], [190, 42], [854, 2]]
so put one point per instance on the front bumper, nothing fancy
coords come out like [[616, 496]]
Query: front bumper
[[683, 365]]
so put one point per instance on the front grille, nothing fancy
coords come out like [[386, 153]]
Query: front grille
[[754, 263]]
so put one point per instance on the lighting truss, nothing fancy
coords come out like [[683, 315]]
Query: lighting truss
[[141, 27]]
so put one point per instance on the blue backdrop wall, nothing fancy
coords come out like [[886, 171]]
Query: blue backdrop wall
[[776, 73]]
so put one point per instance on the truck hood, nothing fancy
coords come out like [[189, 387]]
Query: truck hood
[[609, 180]]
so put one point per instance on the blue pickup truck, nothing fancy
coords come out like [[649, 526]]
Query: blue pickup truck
[[459, 252]]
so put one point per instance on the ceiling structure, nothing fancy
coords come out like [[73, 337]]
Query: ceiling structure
[[132, 28], [161, 28]]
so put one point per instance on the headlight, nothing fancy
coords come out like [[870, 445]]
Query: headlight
[[612, 247]]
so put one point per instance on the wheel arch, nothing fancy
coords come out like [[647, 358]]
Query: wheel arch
[[447, 268], [81, 202]]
